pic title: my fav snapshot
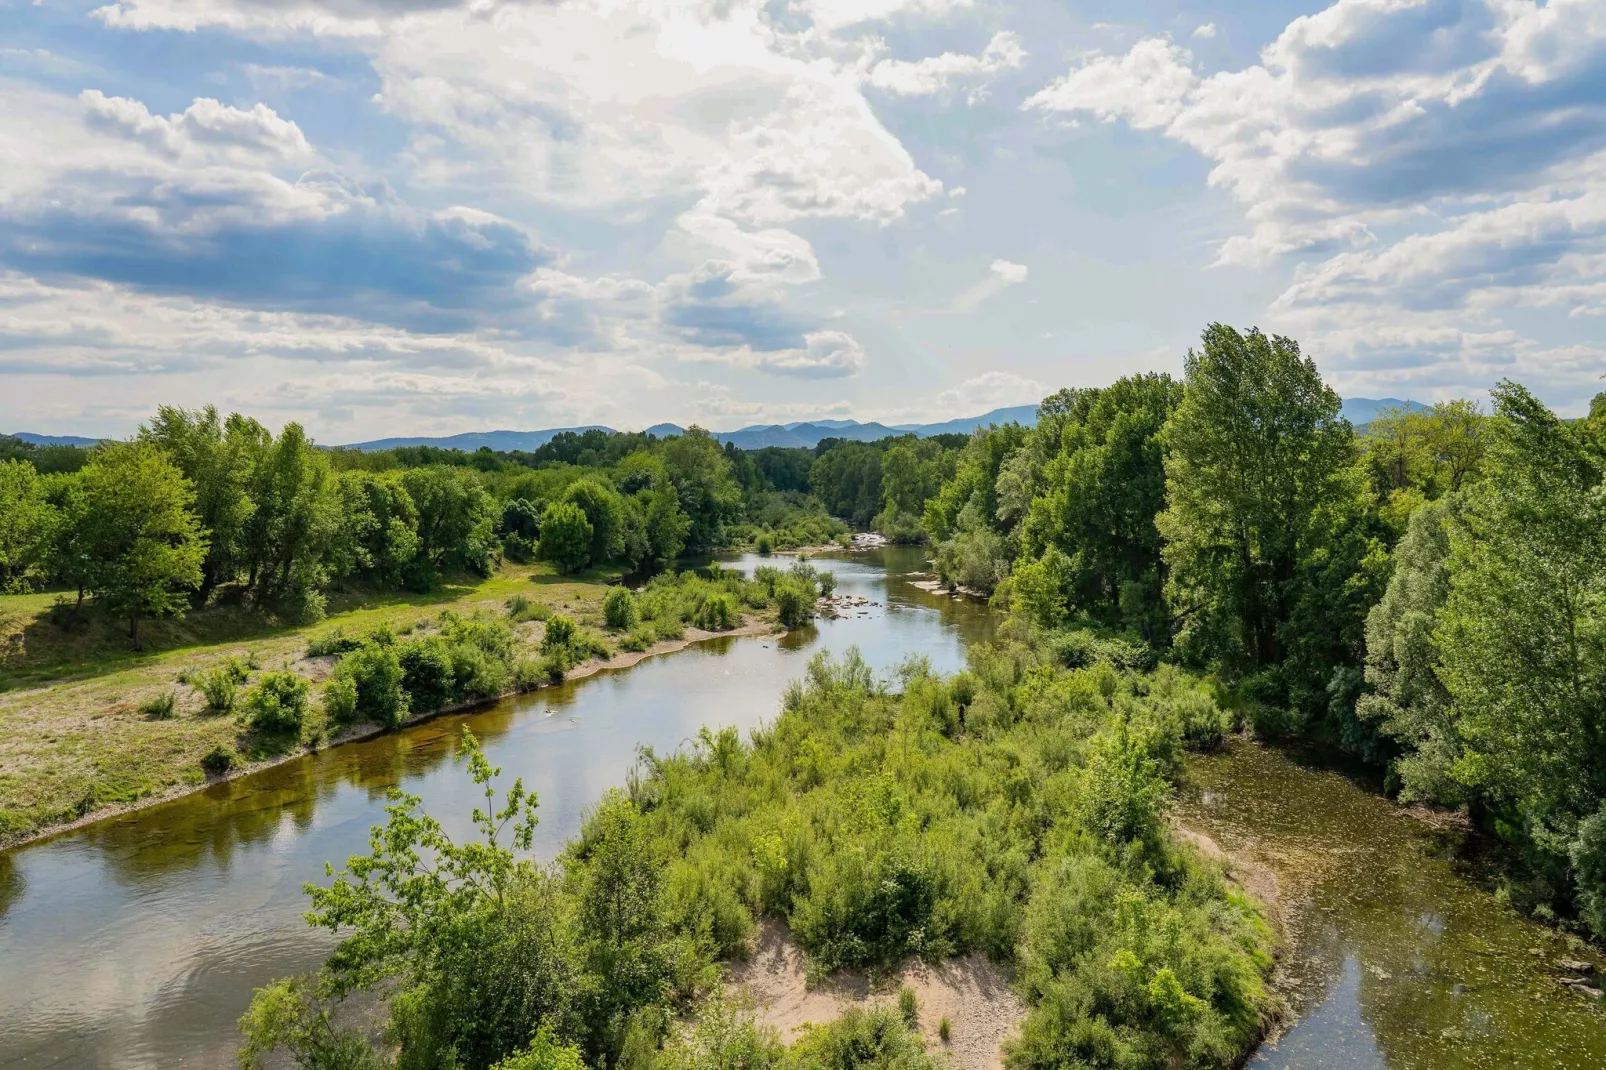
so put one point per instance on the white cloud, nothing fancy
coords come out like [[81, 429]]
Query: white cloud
[[1146, 87], [1001, 275], [1428, 165], [991, 390], [1205, 31], [939, 74]]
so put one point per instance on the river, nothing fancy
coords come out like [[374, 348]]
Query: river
[[136, 942]]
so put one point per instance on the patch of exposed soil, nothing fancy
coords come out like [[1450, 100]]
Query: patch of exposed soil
[[970, 992]]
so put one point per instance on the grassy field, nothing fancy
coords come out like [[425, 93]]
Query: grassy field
[[73, 739]]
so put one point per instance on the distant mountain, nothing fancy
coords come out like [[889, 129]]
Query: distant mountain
[[1362, 411], [55, 440], [468, 442], [806, 434]]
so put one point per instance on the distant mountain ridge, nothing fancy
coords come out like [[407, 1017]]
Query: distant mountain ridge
[[805, 434], [800, 433]]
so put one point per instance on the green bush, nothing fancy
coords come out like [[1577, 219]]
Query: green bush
[[426, 666], [764, 543], [517, 606], [794, 603], [220, 687], [277, 704], [159, 707], [219, 760], [560, 632], [619, 609], [909, 1007], [377, 678], [340, 699], [716, 614]]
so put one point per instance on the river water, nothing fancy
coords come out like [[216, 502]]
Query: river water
[[136, 942]]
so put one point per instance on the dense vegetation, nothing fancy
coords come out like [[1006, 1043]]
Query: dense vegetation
[[1429, 594], [1016, 809], [202, 510]]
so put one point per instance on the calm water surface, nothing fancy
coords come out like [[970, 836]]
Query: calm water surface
[[1398, 961], [136, 942]]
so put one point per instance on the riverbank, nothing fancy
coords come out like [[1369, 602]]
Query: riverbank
[[751, 626], [93, 745]]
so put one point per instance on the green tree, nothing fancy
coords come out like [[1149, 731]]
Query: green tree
[[701, 475], [137, 531], [1402, 659], [378, 537], [566, 536], [1100, 493], [217, 460], [1523, 633], [456, 518], [666, 524], [1260, 472], [1414, 456], [27, 522], [468, 934], [605, 512], [295, 523]]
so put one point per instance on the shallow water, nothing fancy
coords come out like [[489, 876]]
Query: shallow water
[[136, 942], [1398, 960]]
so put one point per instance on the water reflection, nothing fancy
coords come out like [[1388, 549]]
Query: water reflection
[[136, 942], [1397, 961]]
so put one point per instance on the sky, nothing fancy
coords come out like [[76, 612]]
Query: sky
[[432, 216]]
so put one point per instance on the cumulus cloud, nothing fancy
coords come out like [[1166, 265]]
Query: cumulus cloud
[[939, 74], [1422, 161], [1205, 31]]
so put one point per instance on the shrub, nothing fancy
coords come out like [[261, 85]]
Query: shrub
[[220, 686], [794, 603], [426, 666], [517, 606], [340, 699], [764, 543], [566, 536], [277, 704], [159, 707], [619, 609], [560, 631], [218, 760], [334, 641], [717, 613], [545, 1052], [861, 1038], [528, 674], [945, 1029], [909, 1007], [377, 672]]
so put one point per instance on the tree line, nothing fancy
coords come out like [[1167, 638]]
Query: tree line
[[1429, 594], [198, 509]]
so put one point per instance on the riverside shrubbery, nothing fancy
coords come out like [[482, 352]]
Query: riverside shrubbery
[[1015, 809]]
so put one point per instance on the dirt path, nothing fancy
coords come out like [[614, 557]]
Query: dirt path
[[970, 992]]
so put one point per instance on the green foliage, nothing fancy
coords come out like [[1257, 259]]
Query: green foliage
[[220, 684], [716, 613], [1270, 561], [764, 543], [277, 704], [219, 760], [287, 1015], [1406, 696], [456, 519], [296, 519], [909, 1007], [566, 536], [134, 526], [160, 706], [27, 522], [1587, 854], [376, 688], [1522, 635], [860, 1040], [619, 609], [546, 1053], [605, 512]]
